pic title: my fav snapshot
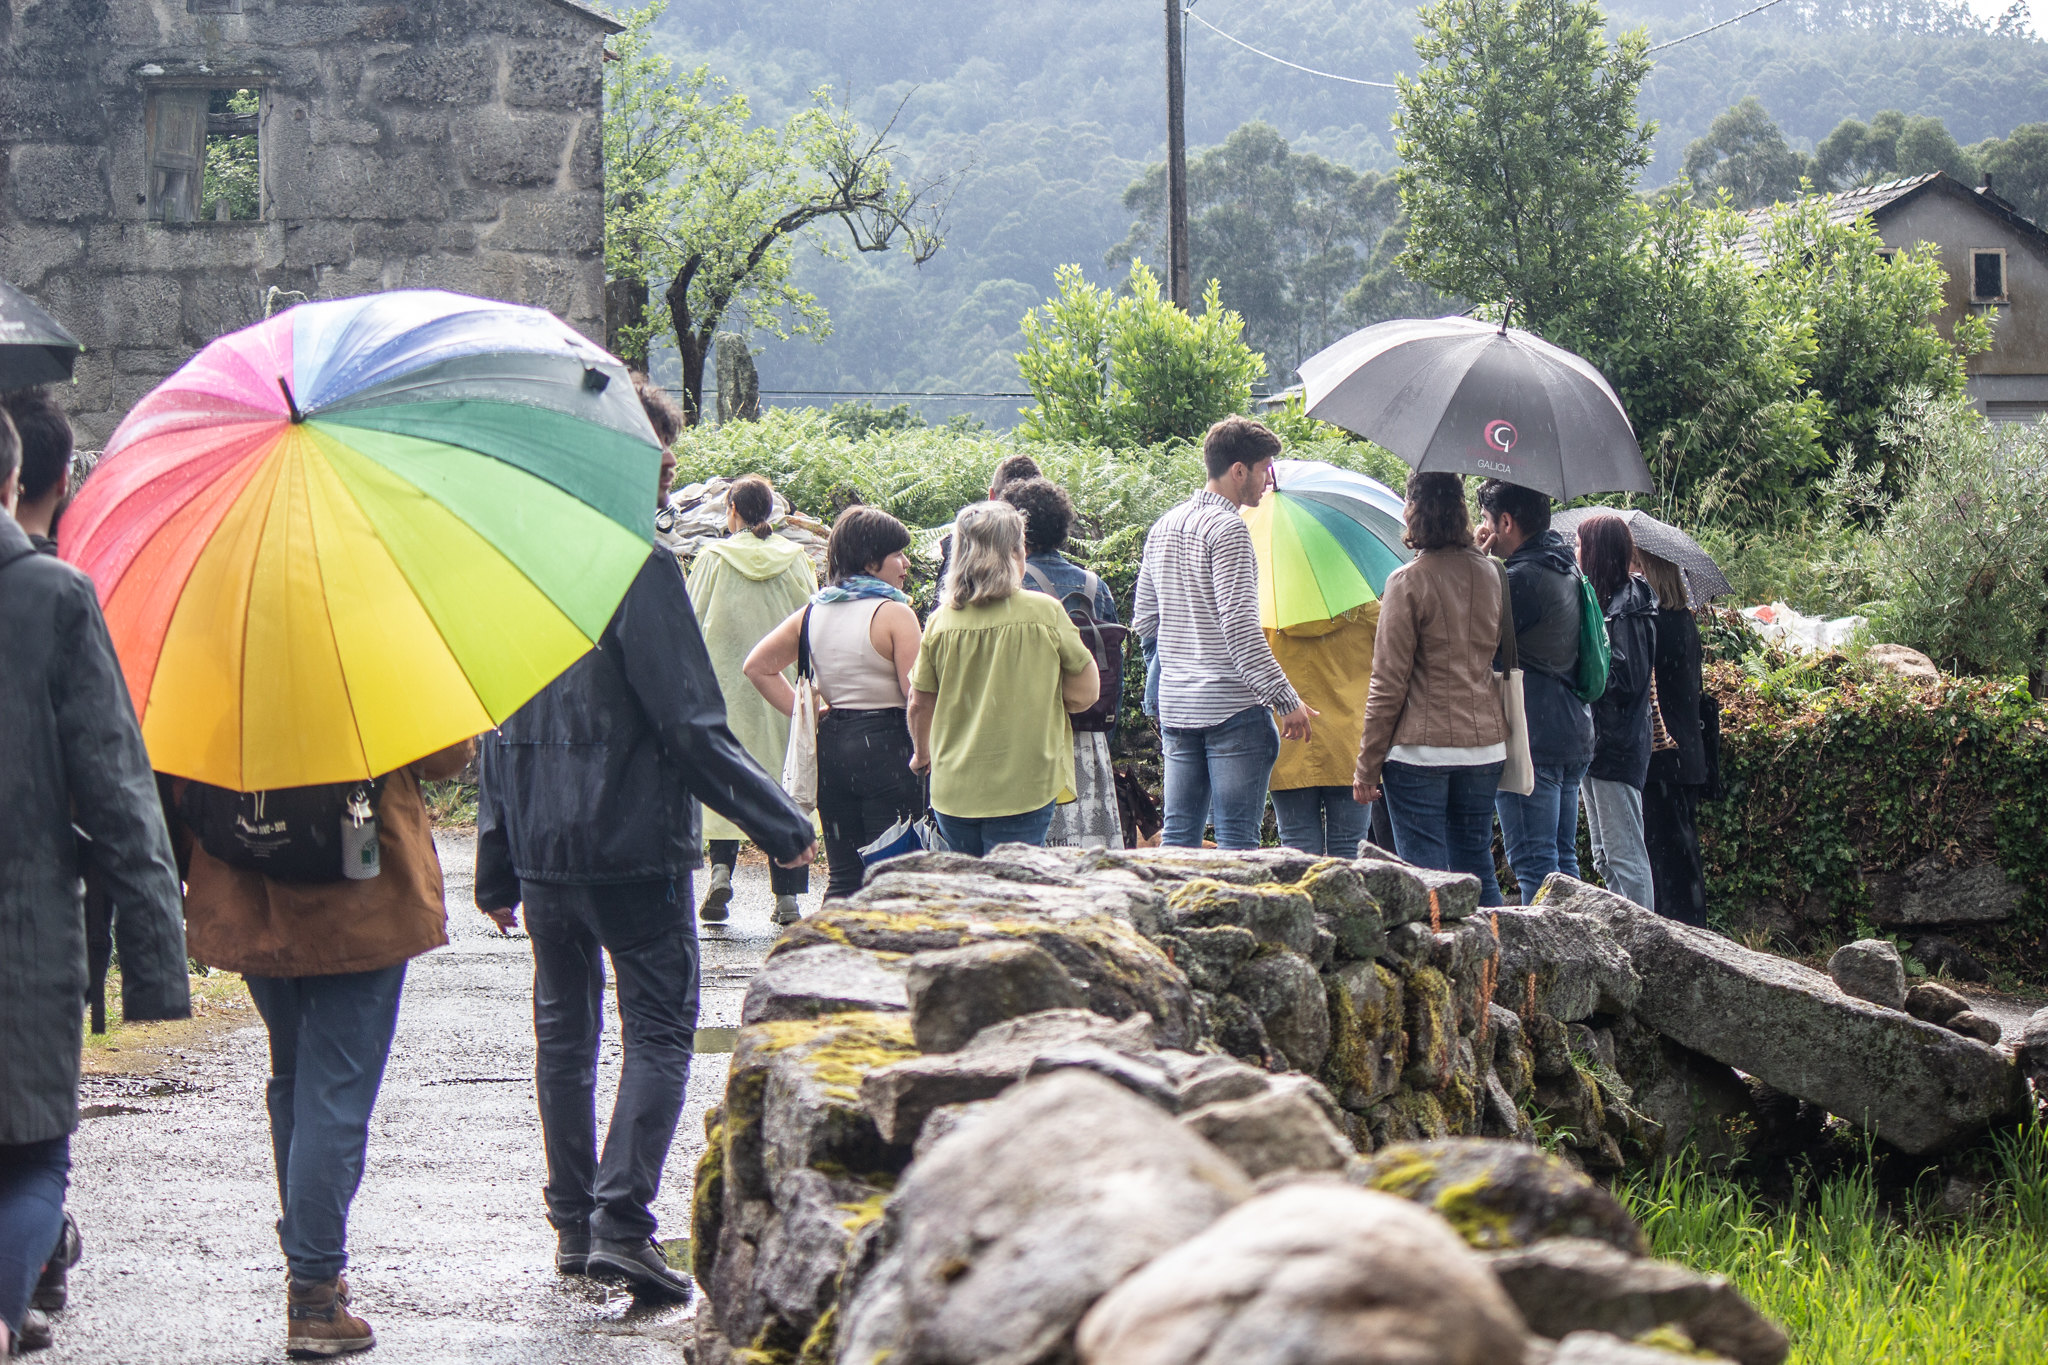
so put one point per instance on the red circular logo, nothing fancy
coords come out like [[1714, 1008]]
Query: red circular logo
[[1501, 435]]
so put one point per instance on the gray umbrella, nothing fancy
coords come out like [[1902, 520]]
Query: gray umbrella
[[34, 348], [1470, 397], [1703, 577]]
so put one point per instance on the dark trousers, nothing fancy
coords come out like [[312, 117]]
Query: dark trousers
[[650, 930], [864, 786], [33, 1177], [329, 1039], [1443, 818], [783, 881], [1671, 834]]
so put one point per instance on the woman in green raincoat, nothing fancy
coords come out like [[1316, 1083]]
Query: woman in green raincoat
[[743, 587]]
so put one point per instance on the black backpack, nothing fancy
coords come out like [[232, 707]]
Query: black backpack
[[292, 834], [1104, 640]]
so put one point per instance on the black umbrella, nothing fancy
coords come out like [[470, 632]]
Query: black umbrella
[[1703, 577], [34, 347], [1470, 397]]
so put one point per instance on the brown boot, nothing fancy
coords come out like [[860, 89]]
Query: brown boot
[[318, 1322]]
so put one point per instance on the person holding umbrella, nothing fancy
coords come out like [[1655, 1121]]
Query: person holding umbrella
[[1613, 786]]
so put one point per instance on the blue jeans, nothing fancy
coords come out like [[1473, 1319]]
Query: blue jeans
[[1443, 818], [976, 836], [33, 1177], [1217, 776], [650, 930], [1614, 818], [1324, 821], [329, 1039], [1541, 830]]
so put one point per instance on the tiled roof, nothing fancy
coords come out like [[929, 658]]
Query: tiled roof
[[1851, 204], [610, 24]]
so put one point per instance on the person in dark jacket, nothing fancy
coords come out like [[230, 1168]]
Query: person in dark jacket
[[1613, 787], [585, 817], [46, 449], [1678, 776], [71, 761], [1541, 830]]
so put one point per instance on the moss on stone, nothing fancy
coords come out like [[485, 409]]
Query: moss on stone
[[824, 1336], [1411, 1172], [1427, 1002], [1465, 1207], [864, 1212], [842, 1048], [707, 1199], [1670, 1337], [1421, 1109]]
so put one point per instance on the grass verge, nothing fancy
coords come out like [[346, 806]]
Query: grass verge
[[219, 1001], [1855, 1282]]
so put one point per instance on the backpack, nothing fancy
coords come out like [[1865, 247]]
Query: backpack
[[293, 834], [1595, 655], [1105, 641]]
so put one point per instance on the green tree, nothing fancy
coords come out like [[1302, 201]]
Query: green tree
[[704, 203], [1131, 369], [1926, 145], [1858, 153], [234, 169], [2017, 168], [1293, 239], [1519, 150], [1745, 155]]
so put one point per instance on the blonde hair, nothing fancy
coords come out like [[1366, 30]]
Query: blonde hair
[[987, 539], [1664, 579]]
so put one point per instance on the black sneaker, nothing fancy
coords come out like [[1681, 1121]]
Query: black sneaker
[[572, 1251], [641, 1265], [51, 1293]]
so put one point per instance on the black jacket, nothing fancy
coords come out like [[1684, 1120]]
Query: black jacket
[[1621, 718], [1678, 697], [1543, 585], [591, 780], [70, 750]]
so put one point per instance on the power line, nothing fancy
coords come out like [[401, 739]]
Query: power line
[[1327, 75], [1711, 27]]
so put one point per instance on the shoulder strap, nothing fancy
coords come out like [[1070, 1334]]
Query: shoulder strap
[[1038, 581], [1091, 585], [803, 646], [1509, 656]]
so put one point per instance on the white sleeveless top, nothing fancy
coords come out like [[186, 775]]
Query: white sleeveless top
[[851, 674]]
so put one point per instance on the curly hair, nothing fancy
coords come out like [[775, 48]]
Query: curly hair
[[1048, 513], [1436, 514], [662, 413]]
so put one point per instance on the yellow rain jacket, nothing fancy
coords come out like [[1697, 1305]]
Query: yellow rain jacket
[[1329, 663]]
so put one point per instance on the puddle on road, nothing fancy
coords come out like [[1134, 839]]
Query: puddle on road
[[716, 1039], [105, 1111], [111, 1096]]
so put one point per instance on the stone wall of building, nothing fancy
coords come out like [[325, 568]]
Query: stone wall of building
[[452, 144]]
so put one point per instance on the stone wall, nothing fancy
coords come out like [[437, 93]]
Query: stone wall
[[452, 144]]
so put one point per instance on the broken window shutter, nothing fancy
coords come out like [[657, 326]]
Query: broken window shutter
[[177, 153]]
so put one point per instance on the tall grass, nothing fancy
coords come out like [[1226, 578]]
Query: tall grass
[[1855, 1283]]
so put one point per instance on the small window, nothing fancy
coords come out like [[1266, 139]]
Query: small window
[[1888, 255], [1987, 276], [205, 162]]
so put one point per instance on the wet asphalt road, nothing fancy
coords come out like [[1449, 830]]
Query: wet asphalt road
[[451, 1256]]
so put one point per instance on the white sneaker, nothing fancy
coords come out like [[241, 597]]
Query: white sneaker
[[786, 911]]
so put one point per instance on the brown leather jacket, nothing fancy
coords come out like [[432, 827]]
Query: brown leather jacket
[[243, 921], [1432, 675]]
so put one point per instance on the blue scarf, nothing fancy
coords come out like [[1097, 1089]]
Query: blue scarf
[[857, 588]]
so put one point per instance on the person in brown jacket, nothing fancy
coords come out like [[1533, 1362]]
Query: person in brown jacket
[[1435, 740], [324, 962]]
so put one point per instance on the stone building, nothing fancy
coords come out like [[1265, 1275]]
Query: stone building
[[169, 169]]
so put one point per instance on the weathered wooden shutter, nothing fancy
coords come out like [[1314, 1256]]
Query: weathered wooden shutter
[[177, 153]]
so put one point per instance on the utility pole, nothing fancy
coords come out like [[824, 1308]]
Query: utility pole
[[1178, 271]]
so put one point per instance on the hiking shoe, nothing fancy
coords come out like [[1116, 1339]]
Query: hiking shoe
[[572, 1251], [717, 896], [786, 911], [51, 1293], [641, 1265], [318, 1323], [34, 1334]]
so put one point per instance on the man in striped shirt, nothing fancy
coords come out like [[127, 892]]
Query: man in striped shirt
[[1219, 684]]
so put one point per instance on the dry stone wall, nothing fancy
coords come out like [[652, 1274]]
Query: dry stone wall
[[1024, 1108], [451, 144]]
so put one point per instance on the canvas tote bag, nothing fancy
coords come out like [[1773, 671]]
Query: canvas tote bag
[[800, 760], [1518, 774]]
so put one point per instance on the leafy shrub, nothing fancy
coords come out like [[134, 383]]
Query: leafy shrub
[[1957, 564], [1132, 370]]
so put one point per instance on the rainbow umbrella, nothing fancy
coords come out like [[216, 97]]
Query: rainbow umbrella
[[362, 531], [1326, 540]]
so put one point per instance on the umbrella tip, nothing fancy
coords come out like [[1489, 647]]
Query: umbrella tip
[[290, 401]]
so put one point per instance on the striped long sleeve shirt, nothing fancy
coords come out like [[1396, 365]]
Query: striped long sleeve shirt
[[1198, 593]]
